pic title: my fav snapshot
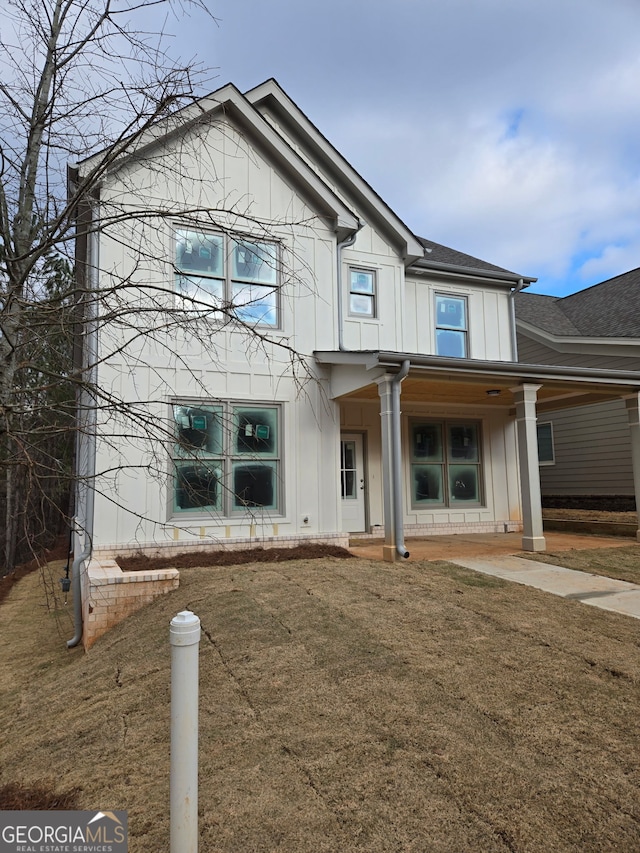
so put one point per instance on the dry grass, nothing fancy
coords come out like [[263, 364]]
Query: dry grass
[[14, 796], [345, 706], [590, 515]]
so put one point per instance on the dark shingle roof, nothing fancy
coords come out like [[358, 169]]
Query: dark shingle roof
[[610, 309], [545, 313], [443, 255]]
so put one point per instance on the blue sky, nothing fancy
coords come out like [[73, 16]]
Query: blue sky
[[507, 129]]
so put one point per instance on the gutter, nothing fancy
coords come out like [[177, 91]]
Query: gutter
[[511, 369], [396, 460], [512, 303], [425, 266]]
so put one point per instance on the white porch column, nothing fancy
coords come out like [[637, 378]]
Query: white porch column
[[633, 411], [525, 396], [386, 415]]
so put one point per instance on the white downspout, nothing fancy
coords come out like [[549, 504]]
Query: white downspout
[[344, 245], [514, 338], [86, 440], [396, 443]]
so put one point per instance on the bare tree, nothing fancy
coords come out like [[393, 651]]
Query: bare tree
[[80, 76]]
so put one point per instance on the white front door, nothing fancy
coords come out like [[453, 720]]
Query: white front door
[[352, 482]]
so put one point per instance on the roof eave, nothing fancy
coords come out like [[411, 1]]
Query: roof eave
[[543, 336], [425, 266], [517, 371]]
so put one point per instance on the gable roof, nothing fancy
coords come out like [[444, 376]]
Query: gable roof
[[270, 98], [230, 102], [610, 309], [252, 112]]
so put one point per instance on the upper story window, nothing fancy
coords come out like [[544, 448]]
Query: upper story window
[[362, 292], [220, 270], [451, 326]]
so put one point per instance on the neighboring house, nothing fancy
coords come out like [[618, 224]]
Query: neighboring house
[[382, 395], [585, 450]]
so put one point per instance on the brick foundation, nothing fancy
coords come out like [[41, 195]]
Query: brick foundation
[[418, 531], [239, 543]]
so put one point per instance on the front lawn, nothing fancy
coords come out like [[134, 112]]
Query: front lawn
[[346, 705]]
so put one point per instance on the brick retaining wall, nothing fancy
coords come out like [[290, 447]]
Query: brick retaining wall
[[110, 595]]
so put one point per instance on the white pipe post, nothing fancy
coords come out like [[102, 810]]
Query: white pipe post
[[184, 636]]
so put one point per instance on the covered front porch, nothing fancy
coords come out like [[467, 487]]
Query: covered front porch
[[487, 545], [481, 470]]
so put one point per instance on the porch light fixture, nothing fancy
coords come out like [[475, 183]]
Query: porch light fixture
[[494, 392]]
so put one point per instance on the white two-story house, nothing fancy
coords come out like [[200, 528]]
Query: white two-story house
[[280, 359]]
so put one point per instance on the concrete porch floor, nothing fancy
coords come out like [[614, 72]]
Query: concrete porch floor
[[484, 545]]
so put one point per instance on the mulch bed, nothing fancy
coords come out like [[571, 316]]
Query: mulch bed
[[191, 560], [600, 503]]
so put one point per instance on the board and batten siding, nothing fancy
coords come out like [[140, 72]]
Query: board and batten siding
[[500, 488], [220, 170], [489, 318]]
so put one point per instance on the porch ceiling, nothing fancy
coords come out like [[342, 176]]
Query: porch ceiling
[[552, 395], [448, 381]]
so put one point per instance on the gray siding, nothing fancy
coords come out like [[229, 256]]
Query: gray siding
[[592, 452], [592, 443]]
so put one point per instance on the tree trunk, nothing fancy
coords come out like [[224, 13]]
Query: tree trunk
[[11, 519]]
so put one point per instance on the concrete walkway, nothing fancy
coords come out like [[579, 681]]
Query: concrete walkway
[[606, 593]]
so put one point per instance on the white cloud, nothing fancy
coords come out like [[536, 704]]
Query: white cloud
[[611, 262], [505, 128]]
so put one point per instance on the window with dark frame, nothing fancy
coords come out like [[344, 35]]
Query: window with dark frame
[[546, 450], [451, 326], [226, 458], [362, 292], [220, 270], [446, 467]]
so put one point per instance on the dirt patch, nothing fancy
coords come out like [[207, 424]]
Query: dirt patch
[[142, 563], [350, 706]]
